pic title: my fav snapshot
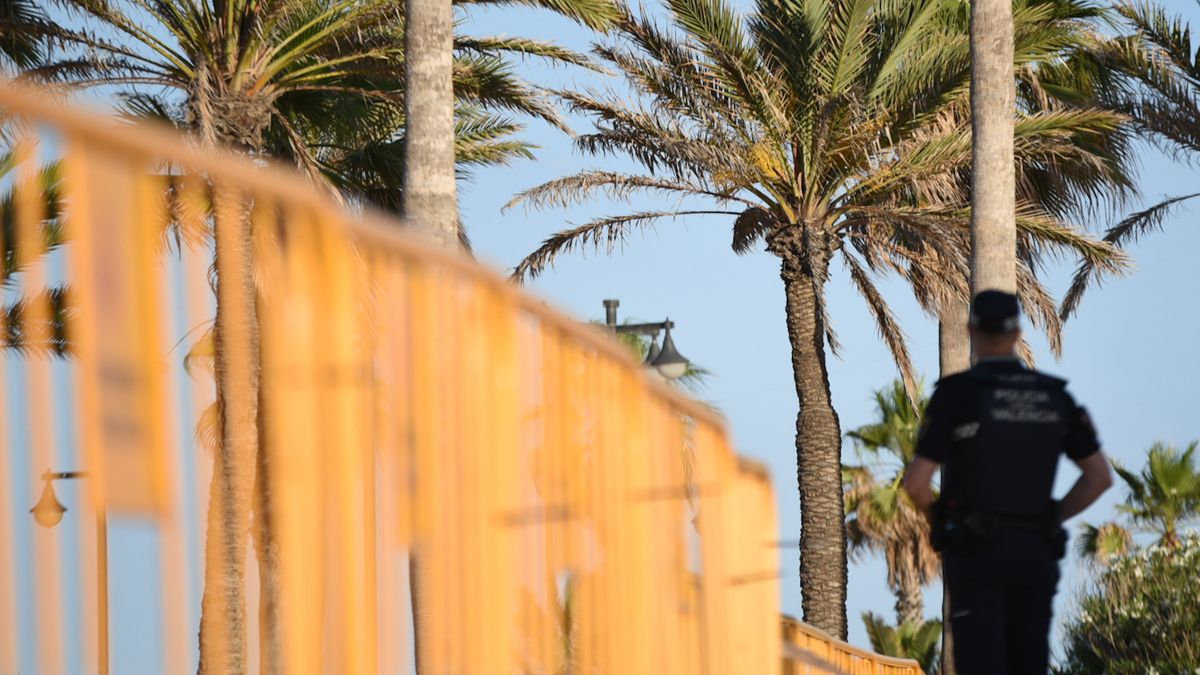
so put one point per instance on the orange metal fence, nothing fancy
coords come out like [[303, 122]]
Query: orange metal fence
[[810, 650], [353, 420]]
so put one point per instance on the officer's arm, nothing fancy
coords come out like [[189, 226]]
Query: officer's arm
[[918, 483], [1095, 479], [1083, 447], [933, 448]]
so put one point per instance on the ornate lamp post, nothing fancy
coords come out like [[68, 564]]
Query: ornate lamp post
[[665, 360], [48, 512]]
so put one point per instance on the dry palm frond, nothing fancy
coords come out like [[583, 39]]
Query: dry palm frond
[[1102, 544], [751, 227], [1158, 86], [1040, 307], [1124, 232], [607, 232], [570, 190], [885, 321]]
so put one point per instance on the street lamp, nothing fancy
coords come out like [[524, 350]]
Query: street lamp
[[48, 512], [665, 361]]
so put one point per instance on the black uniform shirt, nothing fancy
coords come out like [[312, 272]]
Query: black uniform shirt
[[999, 430]]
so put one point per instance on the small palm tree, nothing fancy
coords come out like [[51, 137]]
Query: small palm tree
[[879, 515], [1165, 494], [1161, 498], [915, 640]]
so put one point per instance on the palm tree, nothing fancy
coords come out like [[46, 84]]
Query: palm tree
[[879, 515], [917, 641], [1159, 499], [827, 129], [1165, 494], [316, 83], [1161, 92]]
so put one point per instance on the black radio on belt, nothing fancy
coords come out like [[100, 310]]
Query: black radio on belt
[[954, 529]]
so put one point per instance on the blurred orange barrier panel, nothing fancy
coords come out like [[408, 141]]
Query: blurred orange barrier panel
[[382, 408]]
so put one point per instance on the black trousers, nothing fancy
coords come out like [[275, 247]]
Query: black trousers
[[1001, 599]]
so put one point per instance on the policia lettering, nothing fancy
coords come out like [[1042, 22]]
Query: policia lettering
[[998, 431], [1032, 407]]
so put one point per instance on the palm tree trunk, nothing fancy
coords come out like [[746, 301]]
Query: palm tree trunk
[[430, 194], [910, 605], [818, 448], [993, 178], [954, 356], [266, 548], [1170, 537], [223, 606], [993, 186], [954, 345], [416, 599]]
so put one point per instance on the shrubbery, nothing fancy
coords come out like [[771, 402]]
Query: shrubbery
[[1140, 615]]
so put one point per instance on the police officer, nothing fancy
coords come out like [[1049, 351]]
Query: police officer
[[997, 431]]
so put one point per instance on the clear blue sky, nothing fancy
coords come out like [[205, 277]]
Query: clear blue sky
[[1129, 354]]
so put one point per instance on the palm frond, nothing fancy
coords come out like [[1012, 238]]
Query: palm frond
[[46, 185], [606, 233], [23, 31], [490, 82], [524, 47], [751, 227], [571, 190], [1040, 307], [1101, 544], [37, 324], [885, 322], [1124, 232], [595, 14]]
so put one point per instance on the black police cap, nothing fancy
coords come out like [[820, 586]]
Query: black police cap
[[995, 312]]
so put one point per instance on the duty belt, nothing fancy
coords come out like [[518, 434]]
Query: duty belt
[[1026, 522]]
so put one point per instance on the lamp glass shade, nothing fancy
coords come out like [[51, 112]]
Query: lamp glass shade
[[669, 362], [48, 512], [672, 371], [652, 353]]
